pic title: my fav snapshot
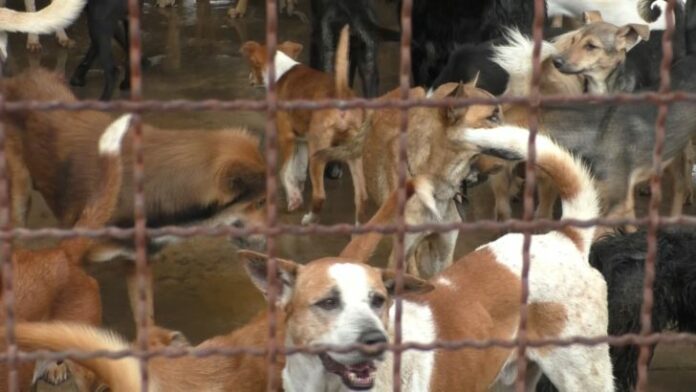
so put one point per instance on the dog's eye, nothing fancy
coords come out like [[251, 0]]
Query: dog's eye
[[377, 301], [330, 303], [590, 46], [495, 117]]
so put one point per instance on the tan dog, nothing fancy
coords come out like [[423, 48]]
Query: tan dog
[[338, 302], [433, 151], [320, 128], [240, 372], [191, 177], [50, 284]]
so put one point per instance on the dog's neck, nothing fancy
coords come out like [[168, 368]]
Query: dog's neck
[[304, 372], [283, 63]]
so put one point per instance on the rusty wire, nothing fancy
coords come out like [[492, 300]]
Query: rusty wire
[[271, 105]]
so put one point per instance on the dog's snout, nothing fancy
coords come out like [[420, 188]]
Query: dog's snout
[[558, 62], [372, 336]]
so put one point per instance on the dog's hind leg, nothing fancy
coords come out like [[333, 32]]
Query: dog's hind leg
[[33, 44], [359, 187], [134, 296], [316, 174]]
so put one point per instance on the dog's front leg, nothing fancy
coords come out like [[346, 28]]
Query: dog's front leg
[[33, 44], [359, 187], [295, 160]]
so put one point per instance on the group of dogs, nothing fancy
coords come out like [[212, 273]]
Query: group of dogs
[[583, 282]]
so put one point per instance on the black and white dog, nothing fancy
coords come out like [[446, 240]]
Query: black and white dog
[[621, 260], [439, 27]]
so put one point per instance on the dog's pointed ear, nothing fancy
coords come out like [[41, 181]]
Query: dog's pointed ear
[[592, 17], [412, 285], [629, 35], [257, 264], [292, 49], [474, 81], [452, 114]]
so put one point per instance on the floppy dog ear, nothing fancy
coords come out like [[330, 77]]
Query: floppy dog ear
[[592, 17], [628, 36], [292, 49], [411, 283], [256, 265]]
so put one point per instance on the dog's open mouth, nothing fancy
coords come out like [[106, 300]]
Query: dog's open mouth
[[359, 377]]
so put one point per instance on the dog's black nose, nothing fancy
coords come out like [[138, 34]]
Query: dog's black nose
[[558, 62], [372, 336]]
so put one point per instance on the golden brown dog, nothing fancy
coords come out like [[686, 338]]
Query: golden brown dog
[[433, 151], [50, 284], [301, 133]]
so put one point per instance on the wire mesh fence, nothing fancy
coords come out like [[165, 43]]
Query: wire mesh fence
[[273, 228]]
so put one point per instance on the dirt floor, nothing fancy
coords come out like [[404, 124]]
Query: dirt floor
[[200, 288]]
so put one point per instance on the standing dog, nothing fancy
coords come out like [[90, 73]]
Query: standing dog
[[617, 12], [50, 284], [434, 150], [338, 302], [54, 18], [301, 133]]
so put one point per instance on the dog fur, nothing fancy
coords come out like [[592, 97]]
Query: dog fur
[[621, 260], [619, 12], [50, 284], [301, 133], [54, 18]]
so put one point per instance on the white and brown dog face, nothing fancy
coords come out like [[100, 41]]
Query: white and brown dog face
[[336, 302]]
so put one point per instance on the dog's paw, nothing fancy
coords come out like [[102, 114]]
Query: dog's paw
[[310, 218], [66, 42], [52, 372]]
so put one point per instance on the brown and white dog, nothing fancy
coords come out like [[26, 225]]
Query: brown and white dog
[[434, 150], [339, 301], [188, 373], [301, 133], [50, 284], [192, 177]]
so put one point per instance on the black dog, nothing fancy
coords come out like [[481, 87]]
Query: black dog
[[329, 17], [439, 27], [106, 19], [621, 260]]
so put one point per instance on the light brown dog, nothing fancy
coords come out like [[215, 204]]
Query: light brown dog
[[50, 284], [433, 151], [320, 128], [240, 372], [191, 177]]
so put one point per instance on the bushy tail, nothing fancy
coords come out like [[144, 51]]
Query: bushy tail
[[515, 57], [647, 11], [342, 63], [57, 15], [362, 246], [121, 375], [572, 179], [102, 204]]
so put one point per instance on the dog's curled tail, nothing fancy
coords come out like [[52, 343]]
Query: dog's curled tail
[[121, 375], [341, 68], [647, 11], [57, 15], [100, 207], [515, 57], [362, 246], [572, 179]]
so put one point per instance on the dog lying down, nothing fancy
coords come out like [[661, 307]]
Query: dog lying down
[[341, 301]]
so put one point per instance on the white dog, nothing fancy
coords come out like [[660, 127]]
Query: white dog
[[618, 12]]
